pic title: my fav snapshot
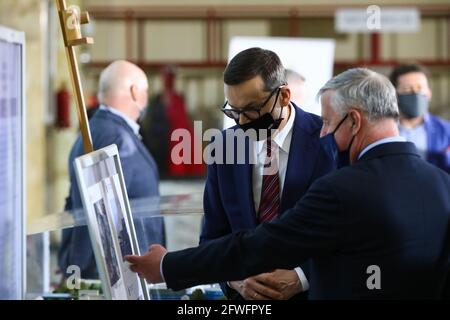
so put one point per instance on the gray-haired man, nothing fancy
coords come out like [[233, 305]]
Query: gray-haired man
[[375, 229]]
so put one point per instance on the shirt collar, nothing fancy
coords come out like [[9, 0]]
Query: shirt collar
[[132, 124], [282, 138], [381, 141]]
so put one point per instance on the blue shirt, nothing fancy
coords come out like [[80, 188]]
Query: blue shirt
[[418, 136]]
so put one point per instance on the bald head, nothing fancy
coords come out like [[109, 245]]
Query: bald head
[[296, 83], [123, 86]]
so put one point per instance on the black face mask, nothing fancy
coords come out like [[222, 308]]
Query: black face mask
[[412, 105], [340, 158], [265, 122]]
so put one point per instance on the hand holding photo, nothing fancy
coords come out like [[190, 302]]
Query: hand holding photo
[[148, 266]]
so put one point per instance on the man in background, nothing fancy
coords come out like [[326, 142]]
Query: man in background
[[296, 83], [429, 133], [123, 96]]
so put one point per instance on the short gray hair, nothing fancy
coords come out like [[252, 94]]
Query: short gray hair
[[363, 89]]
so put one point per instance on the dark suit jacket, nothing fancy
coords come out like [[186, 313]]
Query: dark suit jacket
[[228, 198], [141, 179], [391, 209]]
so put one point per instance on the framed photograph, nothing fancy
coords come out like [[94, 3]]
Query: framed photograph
[[110, 222], [106, 245]]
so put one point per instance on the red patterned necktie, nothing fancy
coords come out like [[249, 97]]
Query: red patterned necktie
[[270, 192]]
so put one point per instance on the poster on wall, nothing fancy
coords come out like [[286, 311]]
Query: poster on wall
[[12, 165], [311, 58], [110, 223]]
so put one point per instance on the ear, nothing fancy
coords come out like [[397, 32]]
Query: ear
[[134, 92], [429, 94], [356, 120], [285, 96]]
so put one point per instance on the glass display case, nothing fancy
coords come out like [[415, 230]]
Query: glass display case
[[182, 214]]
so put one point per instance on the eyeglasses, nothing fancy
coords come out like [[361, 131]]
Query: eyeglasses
[[250, 113]]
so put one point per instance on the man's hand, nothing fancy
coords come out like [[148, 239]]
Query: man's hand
[[277, 285], [148, 265]]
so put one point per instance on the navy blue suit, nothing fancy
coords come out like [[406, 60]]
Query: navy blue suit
[[228, 198], [141, 179], [390, 209]]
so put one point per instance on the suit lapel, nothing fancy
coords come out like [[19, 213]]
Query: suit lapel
[[243, 183], [300, 165]]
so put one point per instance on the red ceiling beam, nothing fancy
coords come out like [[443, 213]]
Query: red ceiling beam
[[239, 12], [340, 64]]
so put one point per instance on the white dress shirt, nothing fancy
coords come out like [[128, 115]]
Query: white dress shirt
[[381, 141], [131, 123], [282, 139]]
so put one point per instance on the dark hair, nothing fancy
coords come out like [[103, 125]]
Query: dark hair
[[400, 70], [254, 62]]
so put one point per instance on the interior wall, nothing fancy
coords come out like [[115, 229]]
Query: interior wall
[[46, 70], [59, 140], [178, 40], [24, 15]]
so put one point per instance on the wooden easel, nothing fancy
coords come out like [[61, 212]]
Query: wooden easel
[[70, 21]]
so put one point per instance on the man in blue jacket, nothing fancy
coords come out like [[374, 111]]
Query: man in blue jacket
[[429, 133], [375, 229], [123, 96], [240, 196]]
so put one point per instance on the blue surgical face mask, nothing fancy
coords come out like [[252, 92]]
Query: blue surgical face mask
[[412, 105], [340, 158]]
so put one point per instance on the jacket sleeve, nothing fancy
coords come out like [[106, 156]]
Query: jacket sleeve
[[215, 223], [313, 227]]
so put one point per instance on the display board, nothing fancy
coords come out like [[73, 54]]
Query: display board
[[110, 223], [312, 58], [12, 164]]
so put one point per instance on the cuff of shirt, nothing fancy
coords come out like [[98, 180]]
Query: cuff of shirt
[[161, 268], [303, 280]]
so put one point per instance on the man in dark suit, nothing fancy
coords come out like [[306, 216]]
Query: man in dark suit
[[378, 228], [256, 77], [123, 96]]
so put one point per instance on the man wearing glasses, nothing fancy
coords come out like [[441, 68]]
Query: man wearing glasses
[[287, 158]]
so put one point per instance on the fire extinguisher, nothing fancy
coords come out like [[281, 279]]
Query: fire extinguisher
[[63, 108]]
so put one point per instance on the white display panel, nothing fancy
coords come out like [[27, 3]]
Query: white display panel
[[12, 165], [312, 58], [110, 222]]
